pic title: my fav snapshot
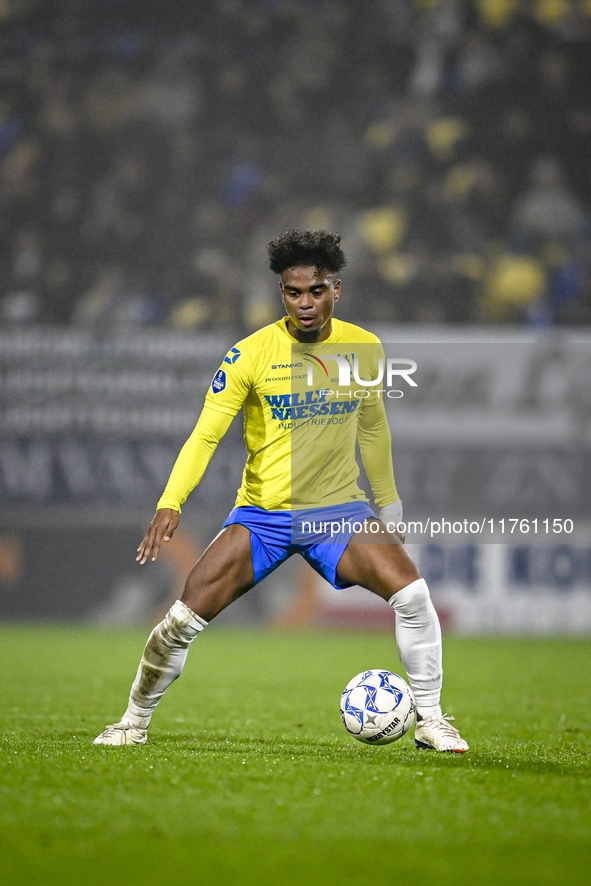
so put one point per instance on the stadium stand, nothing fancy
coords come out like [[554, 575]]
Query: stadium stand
[[148, 152]]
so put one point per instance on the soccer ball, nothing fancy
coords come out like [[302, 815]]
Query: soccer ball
[[377, 707]]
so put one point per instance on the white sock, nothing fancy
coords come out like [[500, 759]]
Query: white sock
[[162, 662], [418, 635]]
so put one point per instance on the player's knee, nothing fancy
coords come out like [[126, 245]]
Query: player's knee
[[411, 573], [411, 598], [207, 601], [181, 624], [407, 575]]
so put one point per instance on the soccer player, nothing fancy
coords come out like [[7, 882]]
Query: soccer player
[[299, 492]]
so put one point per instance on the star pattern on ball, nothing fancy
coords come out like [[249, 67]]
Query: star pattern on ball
[[355, 713], [377, 706]]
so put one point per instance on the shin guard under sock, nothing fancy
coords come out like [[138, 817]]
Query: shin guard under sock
[[162, 662], [418, 636]]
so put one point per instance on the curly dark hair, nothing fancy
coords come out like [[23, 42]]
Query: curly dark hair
[[316, 248]]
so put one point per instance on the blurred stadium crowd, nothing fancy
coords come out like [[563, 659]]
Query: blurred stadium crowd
[[148, 152]]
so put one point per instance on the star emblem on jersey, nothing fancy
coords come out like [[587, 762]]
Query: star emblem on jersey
[[232, 355]]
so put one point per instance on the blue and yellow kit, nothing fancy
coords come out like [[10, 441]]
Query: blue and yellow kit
[[305, 408]]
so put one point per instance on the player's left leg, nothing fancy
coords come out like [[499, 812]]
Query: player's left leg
[[250, 546], [223, 573], [386, 568]]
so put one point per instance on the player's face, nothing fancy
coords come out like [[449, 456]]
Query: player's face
[[309, 296]]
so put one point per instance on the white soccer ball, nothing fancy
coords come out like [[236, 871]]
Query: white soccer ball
[[377, 707]]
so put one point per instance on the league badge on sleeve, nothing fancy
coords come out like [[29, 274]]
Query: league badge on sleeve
[[218, 382]]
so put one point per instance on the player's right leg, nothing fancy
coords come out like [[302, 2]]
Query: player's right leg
[[222, 574], [387, 569]]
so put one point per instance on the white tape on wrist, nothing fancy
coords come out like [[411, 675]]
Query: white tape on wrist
[[391, 515]]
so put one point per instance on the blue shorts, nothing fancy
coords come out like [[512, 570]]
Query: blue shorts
[[320, 535]]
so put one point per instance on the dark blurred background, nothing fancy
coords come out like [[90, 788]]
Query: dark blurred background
[[148, 153]]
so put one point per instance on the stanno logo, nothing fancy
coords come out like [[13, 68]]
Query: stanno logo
[[285, 365], [232, 355]]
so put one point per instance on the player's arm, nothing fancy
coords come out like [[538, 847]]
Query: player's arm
[[375, 443], [227, 392], [187, 472]]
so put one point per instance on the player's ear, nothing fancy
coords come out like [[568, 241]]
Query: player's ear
[[337, 289]]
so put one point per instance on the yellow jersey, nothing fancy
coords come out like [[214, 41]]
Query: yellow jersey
[[305, 406]]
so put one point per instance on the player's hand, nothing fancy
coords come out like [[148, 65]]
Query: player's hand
[[162, 528]]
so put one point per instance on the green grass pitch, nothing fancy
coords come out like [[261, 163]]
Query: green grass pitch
[[249, 776]]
